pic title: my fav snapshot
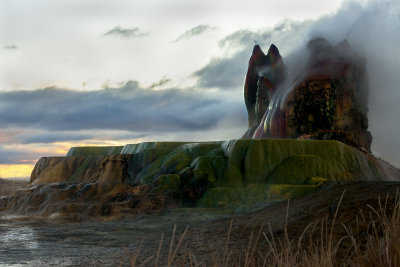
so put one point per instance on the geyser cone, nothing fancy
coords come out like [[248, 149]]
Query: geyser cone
[[327, 100]]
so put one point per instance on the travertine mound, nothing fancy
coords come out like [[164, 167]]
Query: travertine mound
[[238, 174], [326, 101], [320, 120]]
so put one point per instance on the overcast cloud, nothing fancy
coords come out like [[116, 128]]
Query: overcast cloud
[[17, 156], [10, 47], [197, 30], [165, 109], [129, 107], [228, 71], [371, 29], [126, 32]]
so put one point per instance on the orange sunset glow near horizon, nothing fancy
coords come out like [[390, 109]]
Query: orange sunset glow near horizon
[[104, 73], [24, 169]]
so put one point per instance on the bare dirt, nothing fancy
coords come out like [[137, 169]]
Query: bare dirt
[[107, 242]]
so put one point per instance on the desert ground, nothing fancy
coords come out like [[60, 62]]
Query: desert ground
[[329, 228]]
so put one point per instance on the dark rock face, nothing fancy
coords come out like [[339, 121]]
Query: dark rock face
[[74, 202], [264, 74], [328, 100]]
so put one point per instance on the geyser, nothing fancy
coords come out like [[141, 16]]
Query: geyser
[[327, 99]]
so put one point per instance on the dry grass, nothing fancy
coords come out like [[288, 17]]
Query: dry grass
[[317, 245]]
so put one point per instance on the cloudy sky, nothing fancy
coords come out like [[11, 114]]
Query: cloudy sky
[[112, 72]]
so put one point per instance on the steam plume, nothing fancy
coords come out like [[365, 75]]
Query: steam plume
[[372, 29]]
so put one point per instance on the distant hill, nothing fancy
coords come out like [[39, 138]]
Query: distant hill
[[8, 186]]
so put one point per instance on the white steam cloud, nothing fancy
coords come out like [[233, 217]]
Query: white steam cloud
[[372, 29]]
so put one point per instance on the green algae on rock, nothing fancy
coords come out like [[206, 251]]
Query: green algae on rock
[[326, 100], [236, 173], [94, 150]]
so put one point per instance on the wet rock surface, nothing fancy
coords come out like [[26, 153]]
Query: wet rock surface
[[264, 75], [326, 101], [239, 175], [77, 202]]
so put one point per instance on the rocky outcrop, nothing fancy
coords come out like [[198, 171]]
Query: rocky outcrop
[[77, 201], [328, 101], [238, 174], [235, 162], [81, 169], [95, 150], [264, 75]]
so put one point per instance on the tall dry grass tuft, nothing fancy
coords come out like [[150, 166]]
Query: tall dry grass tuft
[[317, 245], [382, 245]]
